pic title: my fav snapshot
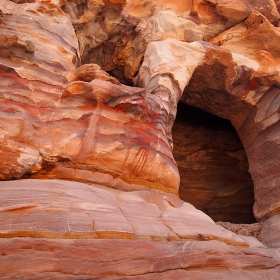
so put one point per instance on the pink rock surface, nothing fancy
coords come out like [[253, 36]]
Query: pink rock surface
[[28, 258], [64, 209], [76, 231], [270, 233]]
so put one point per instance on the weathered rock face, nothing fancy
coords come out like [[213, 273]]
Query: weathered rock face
[[100, 212], [83, 258], [102, 221], [64, 117], [213, 166], [93, 132], [88, 127]]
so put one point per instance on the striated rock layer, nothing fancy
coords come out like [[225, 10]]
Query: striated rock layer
[[76, 124], [63, 117], [63, 209], [93, 227]]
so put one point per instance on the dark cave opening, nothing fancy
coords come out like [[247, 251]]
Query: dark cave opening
[[213, 166]]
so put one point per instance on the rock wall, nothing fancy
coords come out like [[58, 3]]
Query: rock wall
[[76, 124], [88, 95]]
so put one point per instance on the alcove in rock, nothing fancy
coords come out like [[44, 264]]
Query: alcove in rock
[[213, 166]]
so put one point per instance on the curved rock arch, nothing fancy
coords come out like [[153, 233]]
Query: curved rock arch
[[252, 108], [227, 85]]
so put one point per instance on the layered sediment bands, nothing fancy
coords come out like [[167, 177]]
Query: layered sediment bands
[[76, 124], [43, 49], [136, 259], [63, 209], [93, 132], [213, 166]]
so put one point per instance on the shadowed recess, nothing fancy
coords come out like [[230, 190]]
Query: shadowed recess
[[213, 166]]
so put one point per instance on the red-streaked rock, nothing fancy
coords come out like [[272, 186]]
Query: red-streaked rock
[[78, 124], [93, 130], [45, 47]]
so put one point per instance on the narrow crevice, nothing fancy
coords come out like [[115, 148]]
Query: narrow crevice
[[213, 166]]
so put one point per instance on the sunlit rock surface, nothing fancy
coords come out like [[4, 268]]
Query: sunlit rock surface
[[76, 230], [71, 124], [96, 211], [94, 131], [88, 127], [133, 259], [88, 96]]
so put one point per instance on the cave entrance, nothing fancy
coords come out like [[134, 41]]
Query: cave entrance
[[213, 166]]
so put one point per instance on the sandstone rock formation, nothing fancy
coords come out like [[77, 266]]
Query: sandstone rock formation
[[101, 212], [93, 227], [90, 128], [92, 258], [88, 95]]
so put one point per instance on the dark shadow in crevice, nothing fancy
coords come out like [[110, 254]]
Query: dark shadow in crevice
[[213, 166]]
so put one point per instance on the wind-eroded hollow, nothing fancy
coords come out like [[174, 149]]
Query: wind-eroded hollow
[[213, 166]]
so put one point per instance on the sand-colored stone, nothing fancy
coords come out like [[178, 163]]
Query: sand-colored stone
[[45, 46], [148, 8], [59, 122], [257, 39]]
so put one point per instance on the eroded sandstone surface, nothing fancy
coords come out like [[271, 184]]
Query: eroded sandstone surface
[[88, 95], [76, 124]]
